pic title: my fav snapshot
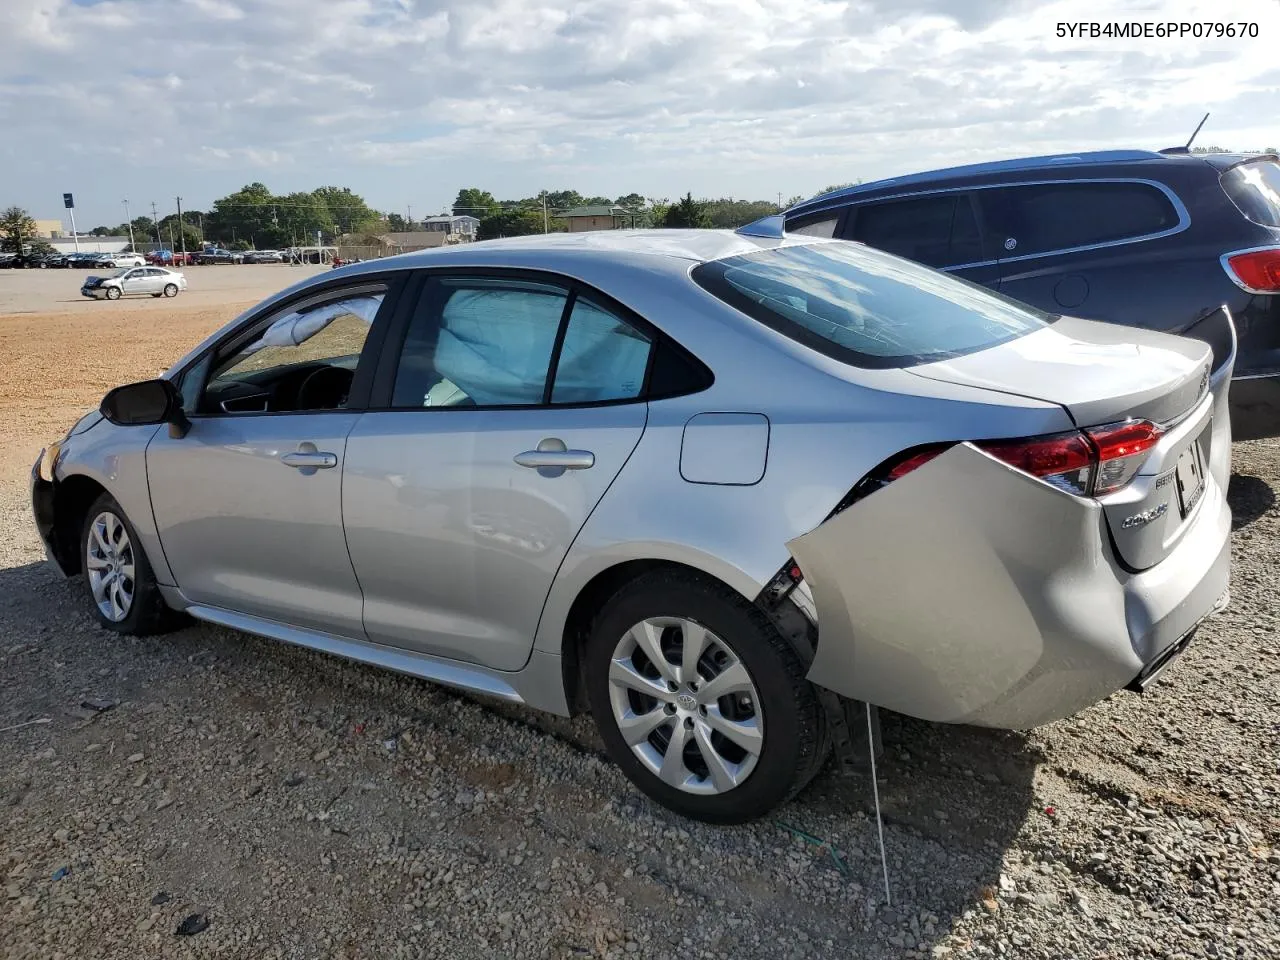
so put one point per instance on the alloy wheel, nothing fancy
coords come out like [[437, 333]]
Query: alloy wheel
[[686, 705], [109, 562]]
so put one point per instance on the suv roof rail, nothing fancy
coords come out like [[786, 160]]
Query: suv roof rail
[[978, 169]]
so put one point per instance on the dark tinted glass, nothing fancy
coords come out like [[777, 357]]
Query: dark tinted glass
[[1061, 216], [919, 229], [1255, 189], [866, 307]]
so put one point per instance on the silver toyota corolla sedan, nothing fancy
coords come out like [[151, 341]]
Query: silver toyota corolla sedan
[[712, 487]]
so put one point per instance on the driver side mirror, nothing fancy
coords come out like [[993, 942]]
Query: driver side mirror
[[147, 402]]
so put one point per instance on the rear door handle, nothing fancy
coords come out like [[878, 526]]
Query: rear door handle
[[553, 457], [311, 461]]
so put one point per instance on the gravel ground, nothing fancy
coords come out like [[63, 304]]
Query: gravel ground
[[303, 806]]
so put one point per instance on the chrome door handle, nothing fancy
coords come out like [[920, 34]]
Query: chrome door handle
[[567, 459], [552, 458], [313, 461]]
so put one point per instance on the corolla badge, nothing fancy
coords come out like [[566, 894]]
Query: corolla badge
[[1145, 517]]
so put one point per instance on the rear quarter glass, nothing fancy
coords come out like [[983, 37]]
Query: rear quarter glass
[[1254, 187], [865, 307]]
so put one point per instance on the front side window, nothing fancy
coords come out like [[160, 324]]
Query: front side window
[[1255, 190], [866, 307], [302, 359], [1041, 218]]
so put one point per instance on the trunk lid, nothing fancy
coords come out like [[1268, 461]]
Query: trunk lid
[[1103, 374], [1100, 372]]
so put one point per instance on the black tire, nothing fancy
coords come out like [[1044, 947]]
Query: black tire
[[147, 612], [170, 289], [795, 739], [113, 293]]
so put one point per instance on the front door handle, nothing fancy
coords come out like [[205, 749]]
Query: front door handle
[[552, 458], [310, 460]]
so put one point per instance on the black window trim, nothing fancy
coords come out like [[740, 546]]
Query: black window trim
[[383, 386], [391, 283], [1184, 217]]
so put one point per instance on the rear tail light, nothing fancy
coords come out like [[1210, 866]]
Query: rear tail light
[[1257, 271], [1091, 462]]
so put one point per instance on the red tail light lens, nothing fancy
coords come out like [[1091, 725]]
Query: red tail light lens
[[1258, 271], [1122, 448], [1063, 459], [1092, 462]]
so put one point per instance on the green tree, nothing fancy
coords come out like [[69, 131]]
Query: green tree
[[834, 187], [686, 213], [347, 211], [511, 222], [562, 199], [397, 223], [474, 202], [728, 214], [632, 201], [245, 214], [175, 234], [16, 227], [792, 201]]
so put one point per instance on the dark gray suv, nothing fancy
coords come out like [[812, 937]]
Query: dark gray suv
[[1157, 240]]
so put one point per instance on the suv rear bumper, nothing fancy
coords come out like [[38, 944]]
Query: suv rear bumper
[[969, 592]]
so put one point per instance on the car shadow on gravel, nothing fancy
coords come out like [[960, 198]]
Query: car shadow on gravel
[[1249, 498]]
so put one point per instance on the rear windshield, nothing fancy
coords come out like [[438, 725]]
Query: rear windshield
[[865, 307], [1255, 189]]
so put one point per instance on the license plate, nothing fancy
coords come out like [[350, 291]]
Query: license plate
[[1190, 477]]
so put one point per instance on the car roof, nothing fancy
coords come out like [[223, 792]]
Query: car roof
[[696, 246], [996, 168]]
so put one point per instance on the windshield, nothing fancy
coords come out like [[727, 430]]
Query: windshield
[[1255, 190], [866, 307], [120, 273]]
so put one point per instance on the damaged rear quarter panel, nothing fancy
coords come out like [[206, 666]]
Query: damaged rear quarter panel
[[968, 592]]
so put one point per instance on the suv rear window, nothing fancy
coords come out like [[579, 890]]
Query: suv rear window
[[865, 307], [1255, 189], [1047, 217]]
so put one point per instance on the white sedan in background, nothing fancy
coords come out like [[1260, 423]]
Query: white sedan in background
[[156, 281], [129, 260]]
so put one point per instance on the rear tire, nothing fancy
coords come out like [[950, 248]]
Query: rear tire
[[120, 582], [748, 726], [113, 293], [170, 289]]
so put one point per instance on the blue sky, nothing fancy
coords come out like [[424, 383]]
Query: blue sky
[[406, 101]]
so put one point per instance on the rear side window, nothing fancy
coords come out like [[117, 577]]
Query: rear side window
[[939, 231], [865, 307], [1255, 189], [1041, 218]]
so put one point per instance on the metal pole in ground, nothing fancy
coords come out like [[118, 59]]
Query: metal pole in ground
[[132, 245], [182, 236]]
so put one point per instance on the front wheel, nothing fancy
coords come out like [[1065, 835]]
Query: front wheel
[[170, 289], [700, 700], [122, 586], [113, 293]]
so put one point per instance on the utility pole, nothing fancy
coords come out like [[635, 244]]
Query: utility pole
[[408, 222], [130, 222], [182, 234], [544, 212], [155, 219]]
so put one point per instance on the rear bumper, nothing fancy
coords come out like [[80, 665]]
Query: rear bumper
[[968, 592], [1255, 406]]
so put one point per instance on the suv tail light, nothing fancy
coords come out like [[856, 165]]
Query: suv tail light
[[1090, 462], [1257, 271]]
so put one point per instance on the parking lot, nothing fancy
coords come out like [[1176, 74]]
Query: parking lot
[[312, 807]]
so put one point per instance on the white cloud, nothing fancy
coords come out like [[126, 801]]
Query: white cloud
[[407, 100]]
